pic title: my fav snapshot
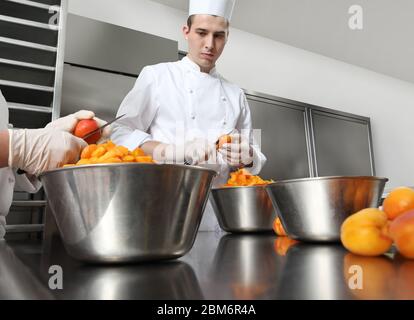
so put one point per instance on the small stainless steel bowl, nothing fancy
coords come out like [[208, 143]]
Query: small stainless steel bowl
[[128, 212], [313, 209], [243, 209]]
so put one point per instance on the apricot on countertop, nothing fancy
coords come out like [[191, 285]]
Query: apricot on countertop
[[366, 233], [402, 232]]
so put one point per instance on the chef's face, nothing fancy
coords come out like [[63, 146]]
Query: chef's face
[[206, 38]]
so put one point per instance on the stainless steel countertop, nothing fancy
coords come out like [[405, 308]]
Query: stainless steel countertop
[[219, 266]]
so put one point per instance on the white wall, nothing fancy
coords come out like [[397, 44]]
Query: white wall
[[292, 73]]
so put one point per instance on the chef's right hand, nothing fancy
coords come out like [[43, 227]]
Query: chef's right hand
[[198, 151], [194, 152], [39, 150]]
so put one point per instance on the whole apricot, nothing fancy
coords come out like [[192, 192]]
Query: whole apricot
[[398, 201], [402, 232], [86, 126], [366, 233]]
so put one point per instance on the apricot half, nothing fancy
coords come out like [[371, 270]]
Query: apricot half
[[366, 233], [223, 140], [278, 227]]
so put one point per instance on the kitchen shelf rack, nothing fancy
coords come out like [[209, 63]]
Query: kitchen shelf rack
[[32, 37]]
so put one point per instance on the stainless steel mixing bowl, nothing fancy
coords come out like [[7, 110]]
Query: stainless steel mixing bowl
[[243, 209], [128, 212], [313, 209]]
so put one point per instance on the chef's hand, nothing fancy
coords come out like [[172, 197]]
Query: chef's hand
[[39, 150], [198, 151], [69, 122], [195, 152], [237, 153]]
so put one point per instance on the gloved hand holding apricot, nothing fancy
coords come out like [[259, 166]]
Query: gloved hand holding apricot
[[37, 150]]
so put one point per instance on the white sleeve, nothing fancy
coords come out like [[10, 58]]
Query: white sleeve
[[27, 183], [245, 123], [140, 107]]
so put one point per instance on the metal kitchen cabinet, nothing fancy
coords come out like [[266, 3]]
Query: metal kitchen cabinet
[[108, 47], [31, 64], [284, 139], [99, 91], [102, 62], [342, 144], [302, 140]]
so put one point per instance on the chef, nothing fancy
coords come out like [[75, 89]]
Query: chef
[[34, 151], [176, 111]]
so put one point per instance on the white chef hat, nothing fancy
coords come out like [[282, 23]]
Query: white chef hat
[[221, 8]]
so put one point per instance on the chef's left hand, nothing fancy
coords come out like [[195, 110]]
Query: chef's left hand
[[69, 122], [238, 153]]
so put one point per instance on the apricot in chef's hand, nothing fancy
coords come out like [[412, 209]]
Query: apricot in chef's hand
[[402, 232], [86, 126], [398, 201], [223, 140], [366, 232]]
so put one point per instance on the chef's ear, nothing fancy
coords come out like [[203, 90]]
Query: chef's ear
[[186, 30]]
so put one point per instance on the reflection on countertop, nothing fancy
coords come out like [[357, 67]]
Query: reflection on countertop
[[219, 266], [17, 280], [171, 280]]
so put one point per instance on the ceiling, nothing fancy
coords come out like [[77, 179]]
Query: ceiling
[[384, 45]]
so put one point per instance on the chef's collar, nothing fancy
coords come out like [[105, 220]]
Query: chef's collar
[[194, 66]]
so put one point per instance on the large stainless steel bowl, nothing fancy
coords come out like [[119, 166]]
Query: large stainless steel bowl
[[243, 209], [128, 212], [313, 209]]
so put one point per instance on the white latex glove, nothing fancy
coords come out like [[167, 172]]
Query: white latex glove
[[69, 122], [39, 150], [199, 151], [238, 153], [194, 152]]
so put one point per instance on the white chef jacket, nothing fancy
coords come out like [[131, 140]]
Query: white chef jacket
[[176, 101], [8, 178]]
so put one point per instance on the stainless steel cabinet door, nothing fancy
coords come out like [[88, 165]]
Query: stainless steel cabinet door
[[342, 145], [283, 138], [101, 92], [106, 46]]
